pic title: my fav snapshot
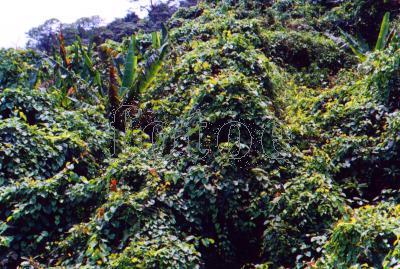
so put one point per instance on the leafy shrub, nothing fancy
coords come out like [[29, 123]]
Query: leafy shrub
[[360, 17], [34, 106], [131, 228], [36, 212], [316, 57], [47, 154], [298, 217], [18, 68], [161, 248], [37, 141], [362, 239]]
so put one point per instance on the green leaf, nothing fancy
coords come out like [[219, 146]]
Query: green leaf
[[97, 79], [130, 66], [153, 69], [153, 64], [155, 37], [22, 116], [354, 45], [6, 241], [383, 33], [164, 33]]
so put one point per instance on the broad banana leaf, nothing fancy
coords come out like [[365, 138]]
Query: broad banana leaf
[[153, 67], [155, 38], [130, 67], [164, 33]]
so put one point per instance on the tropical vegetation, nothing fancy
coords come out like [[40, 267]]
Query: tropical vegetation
[[241, 134]]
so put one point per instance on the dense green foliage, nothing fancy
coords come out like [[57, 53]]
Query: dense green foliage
[[312, 182]]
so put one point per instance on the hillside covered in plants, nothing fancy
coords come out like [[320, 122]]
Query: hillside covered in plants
[[243, 134]]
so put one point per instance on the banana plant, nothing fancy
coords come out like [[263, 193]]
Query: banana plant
[[88, 71], [383, 41], [140, 70], [76, 70]]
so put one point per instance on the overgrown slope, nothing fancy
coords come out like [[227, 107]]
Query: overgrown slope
[[264, 142]]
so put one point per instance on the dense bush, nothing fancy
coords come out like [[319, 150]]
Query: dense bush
[[299, 217], [364, 239], [47, 159], [38, 139], [18, 68], [314, 58], [36, 212]]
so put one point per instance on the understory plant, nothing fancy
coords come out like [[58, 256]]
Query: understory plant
[[385, 38], [135, 78]]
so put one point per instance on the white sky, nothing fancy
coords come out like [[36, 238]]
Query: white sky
[[18, 16]]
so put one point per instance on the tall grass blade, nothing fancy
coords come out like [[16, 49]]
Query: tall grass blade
[[383, 33]]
